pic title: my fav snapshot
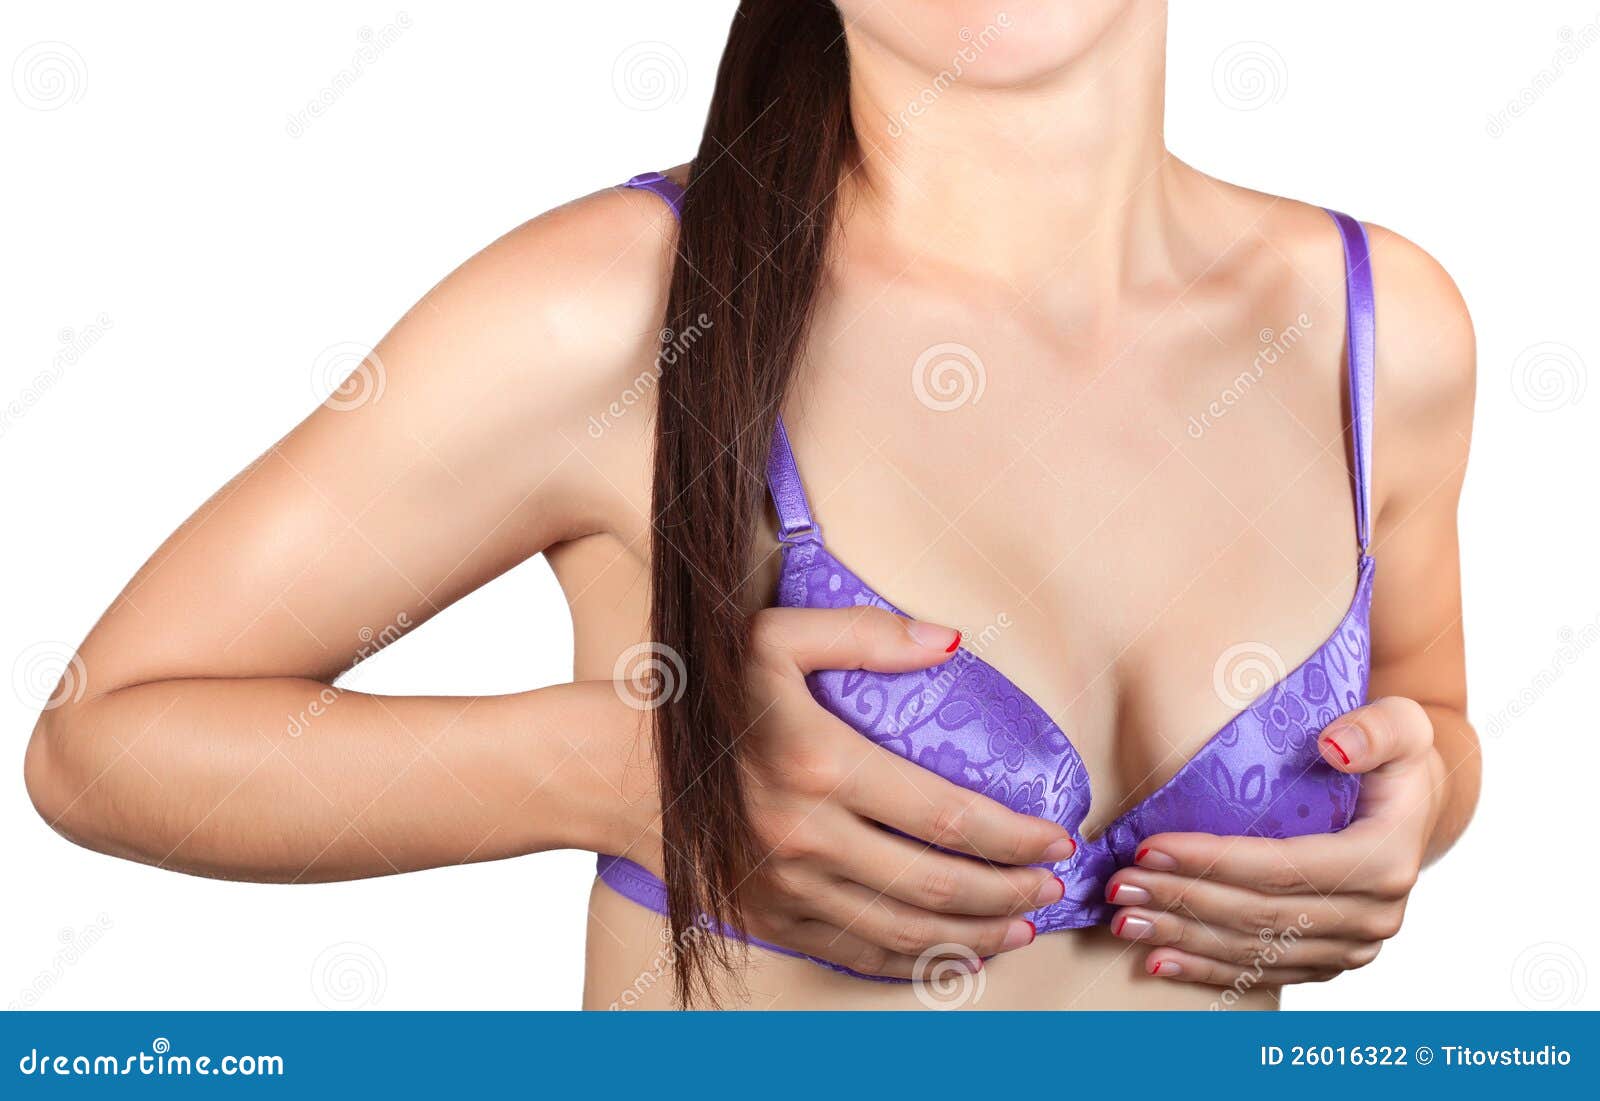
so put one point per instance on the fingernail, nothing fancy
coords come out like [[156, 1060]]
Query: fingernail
[[1061, 850], [1346, 740], [973, 964], [1133, 927], [1126, 894], [933, 636], [1051, 891], [1021, 932], [1165, 969], [1157, 861]]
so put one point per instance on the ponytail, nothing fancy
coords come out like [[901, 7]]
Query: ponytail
[[751, 250]]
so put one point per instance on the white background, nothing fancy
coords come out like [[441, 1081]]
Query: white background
[[181, 251]]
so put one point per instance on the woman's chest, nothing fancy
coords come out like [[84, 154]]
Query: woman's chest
[[1142, 532]]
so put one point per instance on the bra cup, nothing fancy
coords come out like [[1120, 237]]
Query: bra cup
[[1260, 775]]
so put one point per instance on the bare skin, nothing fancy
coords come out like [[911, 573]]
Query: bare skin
[[1112, 293]]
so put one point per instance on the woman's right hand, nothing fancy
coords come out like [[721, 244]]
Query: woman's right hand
[[836, 884]]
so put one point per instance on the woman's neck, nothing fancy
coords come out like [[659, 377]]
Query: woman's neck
[[1011, 181]]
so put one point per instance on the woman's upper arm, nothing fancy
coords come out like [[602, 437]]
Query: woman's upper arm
[[1425, 370], [460, 448]]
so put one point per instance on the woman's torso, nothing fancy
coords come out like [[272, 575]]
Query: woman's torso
[[1140, 500]]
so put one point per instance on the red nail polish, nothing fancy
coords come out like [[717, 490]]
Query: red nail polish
[[1121, 921], [1154, 967], [1035, 929], [952, 647], [1343, 756], [1138, 856], [1112, 897], [1059, 880]]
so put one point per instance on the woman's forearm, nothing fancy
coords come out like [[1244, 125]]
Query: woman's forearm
[[1461, 763], [289, 780]]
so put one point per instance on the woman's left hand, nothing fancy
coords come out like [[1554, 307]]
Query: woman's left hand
[[1227, 911]]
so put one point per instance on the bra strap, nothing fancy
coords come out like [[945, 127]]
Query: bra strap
[[1361, 335], [788, 494], [783, 477], [668, 188]]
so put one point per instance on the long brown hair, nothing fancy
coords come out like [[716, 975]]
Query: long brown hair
[[751, 249]]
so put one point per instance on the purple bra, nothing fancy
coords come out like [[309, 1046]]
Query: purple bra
[[1261, 775]]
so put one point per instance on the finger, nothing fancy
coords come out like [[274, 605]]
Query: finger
[[1180, 966], [907, 930], [1225, 905], [1358, 859], [1268, 949], [850, 638], [903, 795], [1386, 730], [924, 877]]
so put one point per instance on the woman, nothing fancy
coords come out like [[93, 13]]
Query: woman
[[1040, 380]]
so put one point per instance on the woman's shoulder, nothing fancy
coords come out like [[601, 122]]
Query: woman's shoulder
[[581, 287], [1424, 361]]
